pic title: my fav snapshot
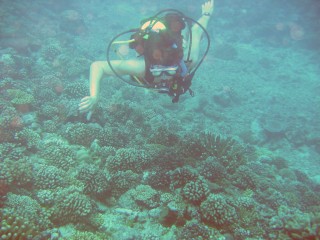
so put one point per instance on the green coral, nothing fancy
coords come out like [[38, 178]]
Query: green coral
[[20, 97]]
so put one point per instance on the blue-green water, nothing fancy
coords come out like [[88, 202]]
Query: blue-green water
[[239, 160]]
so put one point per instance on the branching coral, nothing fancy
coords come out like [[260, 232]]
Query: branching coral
[[212, 170], [95, 180], [76, 90], [20, 99], [28, 137], [217, 211], [196, 191], [145, 196], [4, 189], [49, 177], [59, 154], [181, 176], [20, 172], [51, 51], [230, 153], [245, 178], [158, 179], [71, 206], [12, 226], [11, 151], [34, 216], [122, 181], [128, 159], [195, 230], [82, 134]]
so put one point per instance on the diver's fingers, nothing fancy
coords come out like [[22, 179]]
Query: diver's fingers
[[82, 104], [85, 106], [89, 115], [85, 99]]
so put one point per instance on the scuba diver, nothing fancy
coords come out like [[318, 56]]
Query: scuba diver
[[168, 47]]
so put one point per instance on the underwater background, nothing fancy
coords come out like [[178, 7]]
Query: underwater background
[[239, 160]]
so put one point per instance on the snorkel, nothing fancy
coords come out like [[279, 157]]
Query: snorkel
[[153, 25]]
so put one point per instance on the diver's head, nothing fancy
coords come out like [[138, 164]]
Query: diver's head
[[163, 55]]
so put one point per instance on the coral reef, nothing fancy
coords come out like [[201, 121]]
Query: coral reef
[[221, 166]]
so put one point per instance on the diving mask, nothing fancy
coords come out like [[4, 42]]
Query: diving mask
[[158, 70]]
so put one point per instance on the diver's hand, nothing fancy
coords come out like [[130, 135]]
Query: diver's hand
[[207, 8], [88, 104]]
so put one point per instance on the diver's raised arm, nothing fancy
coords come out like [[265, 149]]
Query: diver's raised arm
[[207, 11]]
